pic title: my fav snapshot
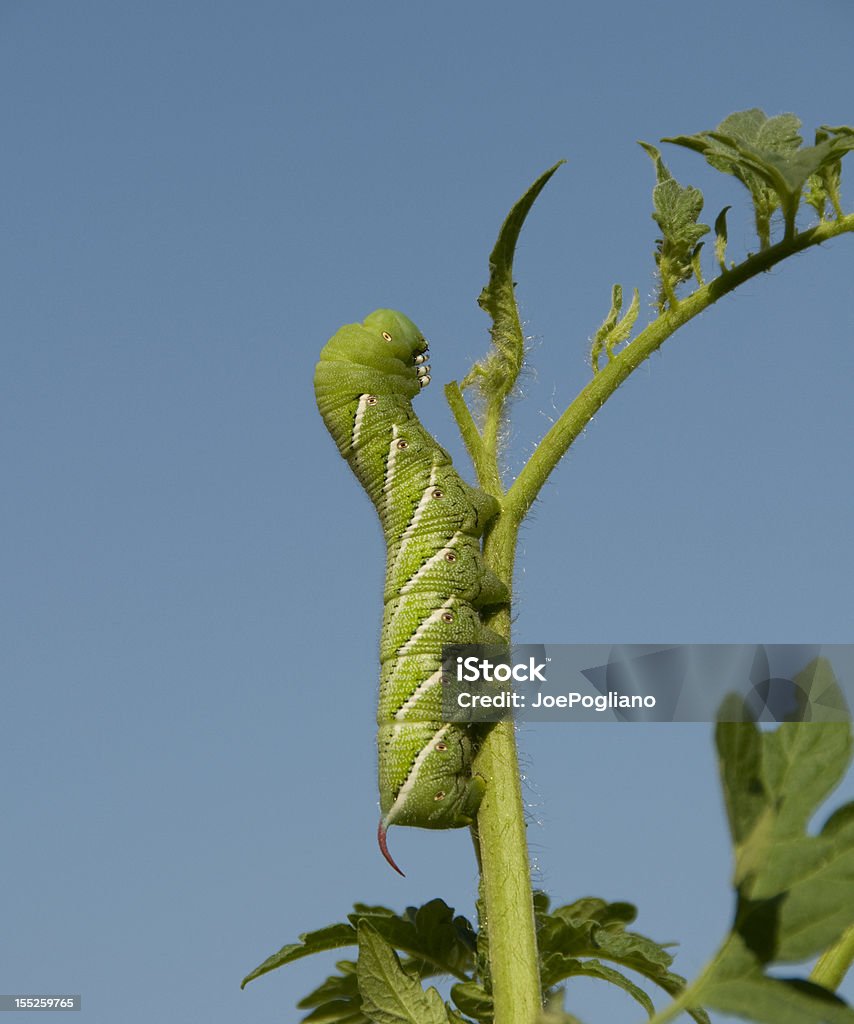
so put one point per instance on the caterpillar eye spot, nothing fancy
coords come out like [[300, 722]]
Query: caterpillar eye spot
[[438, 494], [440, 795], [387, 336], [441, 746], [371, 400], [401, 445], [447, 617], [450, 556]]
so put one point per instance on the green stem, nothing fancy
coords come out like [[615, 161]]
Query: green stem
[[484, 464], [500, 839], [833, 964], [506, 882], [555, 443], [505, 869]]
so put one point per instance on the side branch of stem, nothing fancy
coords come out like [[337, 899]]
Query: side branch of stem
[[554, 445]]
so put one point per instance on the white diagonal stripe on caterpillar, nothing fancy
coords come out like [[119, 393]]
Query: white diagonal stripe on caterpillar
[[420, 508], [414, 522], [411, 700], [431, 620], [388, 478], [357, 422], [438, 557]]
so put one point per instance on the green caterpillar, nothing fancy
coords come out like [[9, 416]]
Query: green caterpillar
[[436, 579]]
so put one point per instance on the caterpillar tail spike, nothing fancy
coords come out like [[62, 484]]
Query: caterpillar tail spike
[[382, 834]]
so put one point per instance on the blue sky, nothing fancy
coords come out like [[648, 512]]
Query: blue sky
[[194, 197]]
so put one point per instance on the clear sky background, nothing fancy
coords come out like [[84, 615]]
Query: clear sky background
[[194, 197]]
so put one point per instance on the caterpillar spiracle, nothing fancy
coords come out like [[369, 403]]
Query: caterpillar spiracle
[[436, 580]]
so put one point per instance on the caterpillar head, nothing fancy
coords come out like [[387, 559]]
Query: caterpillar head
[[399, 338]]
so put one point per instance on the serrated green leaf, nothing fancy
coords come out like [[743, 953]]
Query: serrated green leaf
[[802, 762], [333, 1013], [497, 373], [389, 995], [608, 325], [766, 155], [337, 986], [675, 210], [780, 133], [473, 1001], [614, 330], [593, 909], [644, 955], [570, 967], [361, 910], [432, 933], [783, 174], [623, 329], [591, 927], [807, 883], [748, 128], [335, 936], [787, 173], [610, 321], [739, 747], [438, 941], [336, 1000], [795, 895], [737, 985]]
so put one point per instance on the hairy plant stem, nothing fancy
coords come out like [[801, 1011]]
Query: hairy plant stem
[[505, 881], [500, 841], [501, 846], [554, 445]]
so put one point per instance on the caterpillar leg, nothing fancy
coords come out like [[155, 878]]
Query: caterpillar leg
[[493, 590]]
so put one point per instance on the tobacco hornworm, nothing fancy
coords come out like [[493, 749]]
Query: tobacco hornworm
[[436, 579]]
